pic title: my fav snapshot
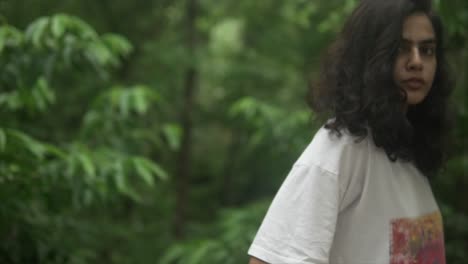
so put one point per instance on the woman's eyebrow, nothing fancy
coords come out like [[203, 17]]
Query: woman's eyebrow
[[423, 41]]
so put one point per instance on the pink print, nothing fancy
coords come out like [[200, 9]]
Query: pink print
[[418, 240]]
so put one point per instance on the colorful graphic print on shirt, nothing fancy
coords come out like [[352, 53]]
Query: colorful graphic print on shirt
[[418, 240]]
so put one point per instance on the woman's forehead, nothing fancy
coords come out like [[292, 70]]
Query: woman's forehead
[[418, 28]]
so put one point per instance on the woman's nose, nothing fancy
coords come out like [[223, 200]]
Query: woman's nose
[[415, 61]]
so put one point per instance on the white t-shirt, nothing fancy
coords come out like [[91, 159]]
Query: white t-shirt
[[345, 202]]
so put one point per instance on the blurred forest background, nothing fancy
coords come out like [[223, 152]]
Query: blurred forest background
[[158, 131]]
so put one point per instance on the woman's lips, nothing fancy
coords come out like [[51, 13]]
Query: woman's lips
[[414, 83]]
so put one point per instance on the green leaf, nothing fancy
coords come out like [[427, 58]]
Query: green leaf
[[153, 167], [26, 142], [98, 54], [143, 170], [3, 38], [140, 99], [35, 32], [121, 182], [39, 101], [58, 25], [87, 164], [91, 119], [245, 106], [174, 253], [124, 102], [117, 44], [9, 36], [45, 90], [112, 97], [82, 29], [226, 36], [202, 252], [42, 95], [69, 50], [3, 139], [119, 177], [55, 151], [173, 134]]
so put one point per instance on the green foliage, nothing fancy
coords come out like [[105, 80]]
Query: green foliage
[[226, 240], [46, 186], [10, 37], [268, 123], [74, 37]]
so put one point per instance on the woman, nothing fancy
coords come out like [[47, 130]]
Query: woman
[[359, 193]]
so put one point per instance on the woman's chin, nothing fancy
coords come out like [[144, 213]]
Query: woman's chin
[[415, 100], [415, 97]]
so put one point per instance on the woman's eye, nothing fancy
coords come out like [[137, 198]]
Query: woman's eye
[[429, 51]]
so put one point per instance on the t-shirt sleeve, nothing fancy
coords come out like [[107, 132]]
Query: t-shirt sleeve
[[300, 224]]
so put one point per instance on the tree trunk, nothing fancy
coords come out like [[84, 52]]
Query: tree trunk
[[185, 153]]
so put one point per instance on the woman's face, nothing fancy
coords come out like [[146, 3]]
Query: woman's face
[[416, 62]]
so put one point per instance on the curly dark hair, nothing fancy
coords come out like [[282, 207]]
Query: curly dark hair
[[356, 86]]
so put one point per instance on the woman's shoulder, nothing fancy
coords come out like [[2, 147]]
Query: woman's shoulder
[[331, 150]]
